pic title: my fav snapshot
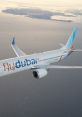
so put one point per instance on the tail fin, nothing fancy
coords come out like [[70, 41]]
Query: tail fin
[[71, 40]]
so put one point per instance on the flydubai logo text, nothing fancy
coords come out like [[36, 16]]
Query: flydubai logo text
[[19, 64]]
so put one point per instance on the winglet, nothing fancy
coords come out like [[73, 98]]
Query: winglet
[[16, 49], [13, 41]]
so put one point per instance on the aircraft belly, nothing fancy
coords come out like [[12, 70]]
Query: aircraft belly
[[55, 60], [50, 60]]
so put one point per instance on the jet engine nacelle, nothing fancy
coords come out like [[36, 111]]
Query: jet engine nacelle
[[39, 73]]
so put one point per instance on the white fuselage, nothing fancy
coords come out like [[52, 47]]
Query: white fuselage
[[17, 64]]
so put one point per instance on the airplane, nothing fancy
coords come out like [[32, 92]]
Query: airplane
[[38, 63]]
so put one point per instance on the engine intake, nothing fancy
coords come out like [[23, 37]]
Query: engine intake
[[39, 73]]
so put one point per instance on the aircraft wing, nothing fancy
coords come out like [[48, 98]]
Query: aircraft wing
[[57, 67], [17, 50], [65, 67], [77, 50]]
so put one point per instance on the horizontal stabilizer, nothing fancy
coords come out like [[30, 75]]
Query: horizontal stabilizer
[[61, 44]]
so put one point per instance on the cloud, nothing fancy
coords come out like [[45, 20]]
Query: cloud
[[39, 14]]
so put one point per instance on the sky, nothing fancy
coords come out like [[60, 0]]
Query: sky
[[44, 4], [50, 5]]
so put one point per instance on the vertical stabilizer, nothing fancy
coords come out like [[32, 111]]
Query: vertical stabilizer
[[71, 39]]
